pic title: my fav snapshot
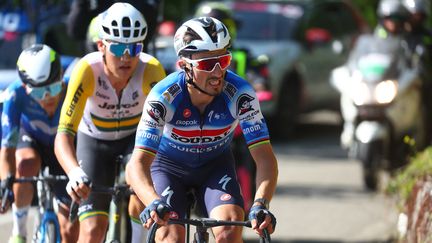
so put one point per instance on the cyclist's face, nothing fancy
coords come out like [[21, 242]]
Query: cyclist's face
[[121, 67], [210, 81], [49, 103]]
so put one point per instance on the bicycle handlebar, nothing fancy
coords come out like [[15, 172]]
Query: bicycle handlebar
[[206, 223], [43, 178]]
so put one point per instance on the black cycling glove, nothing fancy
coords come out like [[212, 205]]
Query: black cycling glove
[[259, 212], [6, 193], [161, 208]]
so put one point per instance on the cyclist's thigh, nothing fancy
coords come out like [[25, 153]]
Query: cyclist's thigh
[[170, 188], [220, 186], [50, 160], [98, 162], [28, 157]]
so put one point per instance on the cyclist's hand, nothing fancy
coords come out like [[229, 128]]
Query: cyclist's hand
[[158, 211], [6, 193], [261, 218], [78, 186]]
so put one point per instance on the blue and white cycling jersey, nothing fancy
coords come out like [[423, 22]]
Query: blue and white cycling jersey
[[20, 110], [174, 128]]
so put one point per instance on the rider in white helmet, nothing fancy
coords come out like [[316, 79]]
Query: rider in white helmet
[[183, 139], [101, 110], [30, 116]]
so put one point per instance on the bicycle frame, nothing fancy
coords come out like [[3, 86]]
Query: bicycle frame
[[46, 214]]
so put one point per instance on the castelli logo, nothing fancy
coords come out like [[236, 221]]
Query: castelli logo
[[187, 113], [225, 197], [173, 215]]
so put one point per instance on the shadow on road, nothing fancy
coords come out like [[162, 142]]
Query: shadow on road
[[325, 191]]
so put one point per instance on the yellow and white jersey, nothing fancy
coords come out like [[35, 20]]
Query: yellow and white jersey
[[92, 105]]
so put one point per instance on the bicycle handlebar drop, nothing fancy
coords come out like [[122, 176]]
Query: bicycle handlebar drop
[[117, 190]]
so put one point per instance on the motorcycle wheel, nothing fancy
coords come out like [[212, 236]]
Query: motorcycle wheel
[[370, 154]]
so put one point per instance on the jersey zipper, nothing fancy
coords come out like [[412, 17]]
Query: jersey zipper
[[118, 113]]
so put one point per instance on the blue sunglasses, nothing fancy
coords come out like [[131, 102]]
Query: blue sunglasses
[[39, 93], [119, 49]]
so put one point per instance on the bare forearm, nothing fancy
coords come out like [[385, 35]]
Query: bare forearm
[[7, 162], [65, 151], [140, 176], [267, 171]]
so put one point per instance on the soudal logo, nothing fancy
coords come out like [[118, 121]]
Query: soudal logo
[[157, 111], [244, 104], [117, 106], [199, 136]]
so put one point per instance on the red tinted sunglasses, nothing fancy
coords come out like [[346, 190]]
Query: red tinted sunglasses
[[209, 64]]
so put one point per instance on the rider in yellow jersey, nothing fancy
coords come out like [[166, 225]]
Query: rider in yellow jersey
[[102, 108]]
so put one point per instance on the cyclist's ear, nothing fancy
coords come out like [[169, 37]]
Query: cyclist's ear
[[181, 64]]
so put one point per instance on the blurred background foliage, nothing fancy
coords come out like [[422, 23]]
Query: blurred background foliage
[[176, 11]]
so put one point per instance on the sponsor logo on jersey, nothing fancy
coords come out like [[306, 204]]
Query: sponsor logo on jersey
[[135, 95], [157, 111], [252, 129], [244, 104], [225, 197], [200, 136], [199, 149], [117, 106], [74, 100], [102, 83], [187, 113], [230, 90], [187, 123], [171, 92], [142, 134], [105, 97]]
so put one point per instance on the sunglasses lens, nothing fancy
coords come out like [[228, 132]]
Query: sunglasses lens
[[209, 64], [119, 49], [53, 89], [225, 61]]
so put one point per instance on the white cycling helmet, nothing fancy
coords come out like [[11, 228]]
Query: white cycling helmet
[[417, 6], [39, 65], [122, 23], [201, 34], [392, 8]]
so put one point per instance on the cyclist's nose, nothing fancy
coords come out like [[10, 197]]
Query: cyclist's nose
[[217, 70], [125, 57]]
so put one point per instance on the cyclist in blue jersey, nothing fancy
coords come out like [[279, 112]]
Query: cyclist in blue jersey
[[183, 138], [30, 116]]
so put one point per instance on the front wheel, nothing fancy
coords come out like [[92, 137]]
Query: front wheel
[[371, 156]]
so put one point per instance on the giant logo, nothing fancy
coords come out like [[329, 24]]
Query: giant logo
[[74, 101], [157, 111]]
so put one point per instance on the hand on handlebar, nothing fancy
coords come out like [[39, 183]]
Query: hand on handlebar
[[6, 193], [158, 211], [78, 186], [261, 218]]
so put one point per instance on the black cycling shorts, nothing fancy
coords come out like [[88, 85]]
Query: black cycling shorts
[[215, 183], [49, 159], [99, 161]]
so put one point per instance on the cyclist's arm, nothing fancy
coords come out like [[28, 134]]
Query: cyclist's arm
[[266, 171], [80, 87], [140, 176], [11, 116]]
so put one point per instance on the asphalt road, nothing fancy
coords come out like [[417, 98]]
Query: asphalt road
[[320, 197]]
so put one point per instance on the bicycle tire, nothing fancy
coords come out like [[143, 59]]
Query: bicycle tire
[[51, 233]]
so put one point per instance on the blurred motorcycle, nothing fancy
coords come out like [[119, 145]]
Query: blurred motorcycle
[[381, 106]]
